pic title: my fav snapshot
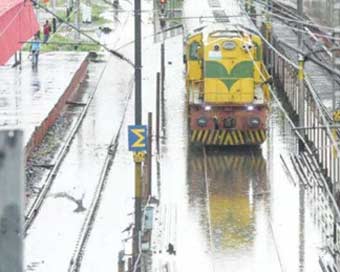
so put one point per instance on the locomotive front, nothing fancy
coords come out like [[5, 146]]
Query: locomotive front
[[227, 91]]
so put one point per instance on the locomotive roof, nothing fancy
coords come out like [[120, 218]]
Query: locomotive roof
[[220, 30]]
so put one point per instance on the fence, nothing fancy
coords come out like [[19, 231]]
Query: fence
[[319, 134]]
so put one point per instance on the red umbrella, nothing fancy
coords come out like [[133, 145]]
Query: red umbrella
[[18, 24]]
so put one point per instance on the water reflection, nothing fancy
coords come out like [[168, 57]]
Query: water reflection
[[234, 207]]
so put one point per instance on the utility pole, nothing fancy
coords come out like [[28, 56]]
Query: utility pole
[[138, 156], [53, 4], [301, 78], [300, 12], [37, 10], [11, 200], [149, 158], [77, 20]]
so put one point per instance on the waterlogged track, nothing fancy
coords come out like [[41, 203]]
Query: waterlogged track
[[70, 207], [57, 238], [36, 204], [75, 262], [237, 195]]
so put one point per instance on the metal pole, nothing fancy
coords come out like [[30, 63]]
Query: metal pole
[[54, 4], [162, 66], [77, 20], [138, 63], [158, 111], [11, 201], [121, 262], [138, 158], [300, 12], [163, 85], [333, 82], [37, 13], [149, 179], [301, 105]]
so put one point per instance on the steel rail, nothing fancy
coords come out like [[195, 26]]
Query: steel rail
[[206, 185], [76, 259], [37, 204]]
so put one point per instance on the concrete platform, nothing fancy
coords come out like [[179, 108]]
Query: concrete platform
[[33, 100]]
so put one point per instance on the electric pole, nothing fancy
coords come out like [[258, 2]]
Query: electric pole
[[300, 13], [11, 200], [138, 156], [53, 4], [77, 20]]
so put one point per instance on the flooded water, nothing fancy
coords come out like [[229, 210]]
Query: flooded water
[[241, 209], [234, 203]]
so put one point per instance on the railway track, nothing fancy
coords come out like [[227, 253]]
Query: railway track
[[35, 207], [206, 185], [236, 161], [312, 33], [75, 261], [37, 204]]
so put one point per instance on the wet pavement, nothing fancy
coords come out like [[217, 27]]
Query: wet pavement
[[27, 96]]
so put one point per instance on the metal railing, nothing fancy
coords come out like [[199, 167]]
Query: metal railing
[[319, 134]]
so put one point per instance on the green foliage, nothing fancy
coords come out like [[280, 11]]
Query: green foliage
[[62, 43], [96, 14]]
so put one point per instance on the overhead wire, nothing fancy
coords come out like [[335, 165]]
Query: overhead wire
[[112, 51], [300, 22], [316, 99], [333, 141]]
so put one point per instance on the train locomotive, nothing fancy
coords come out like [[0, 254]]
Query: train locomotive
[[227, 87]]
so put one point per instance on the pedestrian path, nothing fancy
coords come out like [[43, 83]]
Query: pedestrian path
[[32, 99]]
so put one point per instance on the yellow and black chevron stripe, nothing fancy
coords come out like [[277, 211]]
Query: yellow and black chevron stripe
[[228, 137], [231, 161]]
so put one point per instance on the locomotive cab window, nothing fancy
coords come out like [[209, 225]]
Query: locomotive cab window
[[195, 51]]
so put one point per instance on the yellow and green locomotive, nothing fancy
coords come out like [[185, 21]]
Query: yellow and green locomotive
[[227, 90]]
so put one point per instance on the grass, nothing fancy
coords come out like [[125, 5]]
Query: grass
[[59, 42], [96, 14]]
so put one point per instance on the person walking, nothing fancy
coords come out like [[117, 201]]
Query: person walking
[[47, 31], [35, 49]]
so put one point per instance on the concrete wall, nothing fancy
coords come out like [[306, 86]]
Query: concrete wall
[[41, 130]]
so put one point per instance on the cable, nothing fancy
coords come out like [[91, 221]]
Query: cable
[[113, 52], [302, 20], [302, 138]]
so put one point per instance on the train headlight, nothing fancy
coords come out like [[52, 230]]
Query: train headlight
[[202, 121], [229, 122], [207, 108], [250, 107], [254, 122]]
